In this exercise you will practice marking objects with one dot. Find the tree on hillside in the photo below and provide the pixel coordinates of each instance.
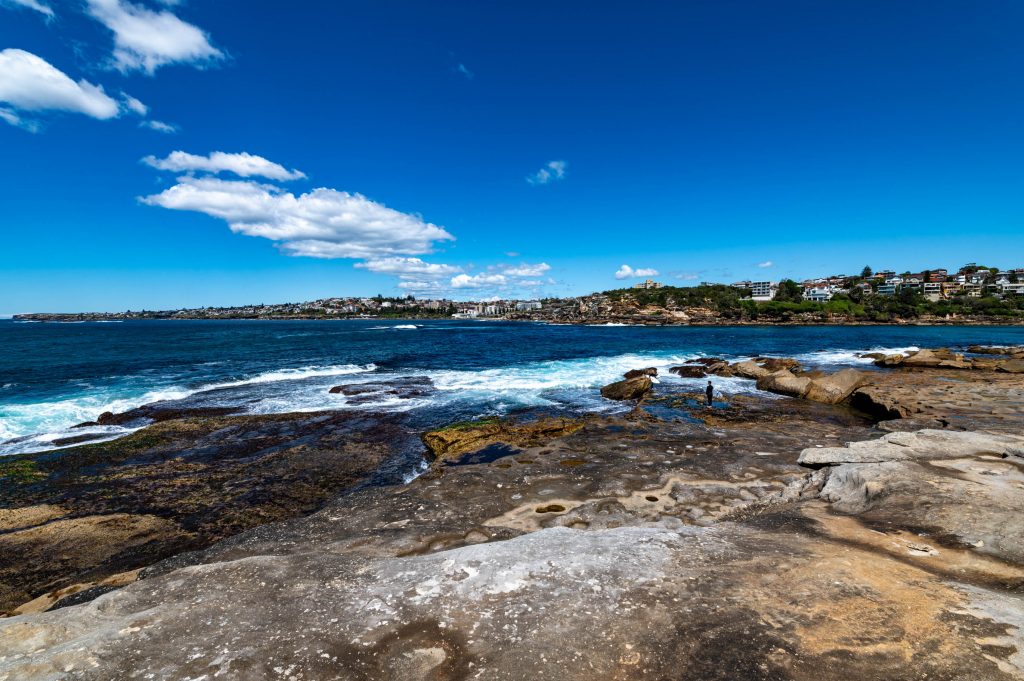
(789, 292)
(866, 272)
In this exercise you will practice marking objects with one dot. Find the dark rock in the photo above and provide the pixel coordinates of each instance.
(637, 373)
(688, 371)
(402, 388)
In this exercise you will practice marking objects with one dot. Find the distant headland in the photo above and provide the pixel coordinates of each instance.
(975, 294)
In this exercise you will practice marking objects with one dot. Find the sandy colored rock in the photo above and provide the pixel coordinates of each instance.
(834, 388)
(785, 382)
(919, 445)
(629, 389)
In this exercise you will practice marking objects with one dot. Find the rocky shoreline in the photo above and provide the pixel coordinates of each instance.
(860, 524)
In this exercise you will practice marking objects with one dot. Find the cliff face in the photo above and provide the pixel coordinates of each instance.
(694, 545)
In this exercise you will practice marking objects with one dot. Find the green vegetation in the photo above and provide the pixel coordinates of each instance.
(20, 471)
(715, 296)
(857, 305)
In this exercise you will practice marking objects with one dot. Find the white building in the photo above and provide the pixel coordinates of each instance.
(819, 294)
(763, 290)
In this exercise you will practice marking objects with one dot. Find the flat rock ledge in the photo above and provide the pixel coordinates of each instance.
(922, 444)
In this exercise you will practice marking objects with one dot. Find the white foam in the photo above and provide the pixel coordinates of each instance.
(847, 357)
(405, 326)
(52, 419)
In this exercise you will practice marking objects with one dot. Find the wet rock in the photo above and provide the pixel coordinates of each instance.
(637, 373)
(177, 485)
(834, 388)
(785, 382)
(460, 438)
(400, 388)
(629, 389)
(688, 371)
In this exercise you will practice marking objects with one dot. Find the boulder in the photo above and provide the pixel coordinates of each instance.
(107, 418)
(879, 403)
(834, 388)
(936, 359)
(1011, 366)
(688, 371)
(872, 355)
(890, 360)
(989, 350)
(460, 438)
(629, 389)
(773, 364)
(401, 388)
(749, 369)
(637, 373)
(785, 382)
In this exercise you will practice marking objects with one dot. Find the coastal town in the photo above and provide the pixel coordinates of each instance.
(967, 291)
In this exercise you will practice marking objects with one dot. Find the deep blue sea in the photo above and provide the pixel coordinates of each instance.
(54, 375)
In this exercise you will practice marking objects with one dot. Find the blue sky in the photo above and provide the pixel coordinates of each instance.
(473, 149)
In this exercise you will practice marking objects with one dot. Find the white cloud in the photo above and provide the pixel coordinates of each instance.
(243, 164)
(31, 84)
(481, 280)
(146, 40)
(525, 270)
(159, 126)
(625, 272)
(134, 105)
(552, 170)
(323, 223)
(408, 267)
(461, 68)
(512, 254)
(31, 4)
(766, 263)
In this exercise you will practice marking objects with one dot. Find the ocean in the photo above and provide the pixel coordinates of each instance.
(56, 375)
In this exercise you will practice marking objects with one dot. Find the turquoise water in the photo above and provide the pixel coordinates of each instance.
(54, 375)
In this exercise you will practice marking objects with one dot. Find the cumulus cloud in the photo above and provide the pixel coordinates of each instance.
(31, 84)
(766, 263)
(552, 170)
(482, 280)
(525, 270)
(243, 165)
(146, 40)
(159, 126)
(626, 272)
(323, 223)
(408, 267)
(40, 7)
(464, 70)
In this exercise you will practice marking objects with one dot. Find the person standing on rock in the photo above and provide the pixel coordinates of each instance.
(710, 392)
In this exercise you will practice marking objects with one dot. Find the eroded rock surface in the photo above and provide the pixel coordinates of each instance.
(689, 544)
